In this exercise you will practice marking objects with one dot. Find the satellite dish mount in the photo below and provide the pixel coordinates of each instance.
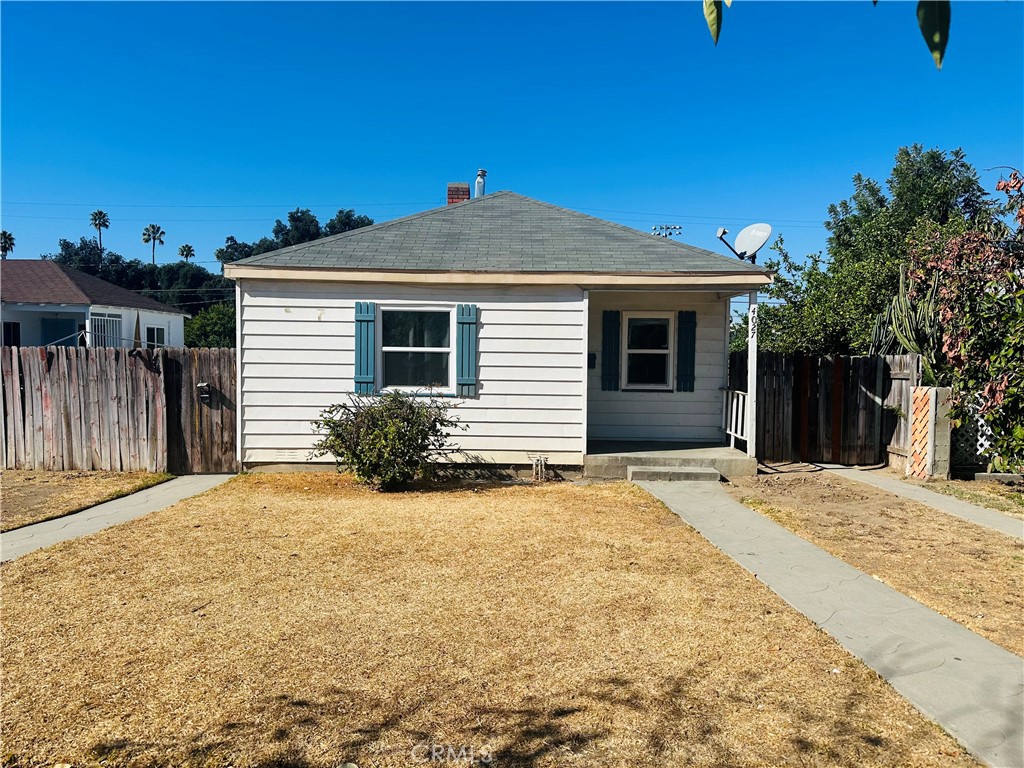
(748, 242)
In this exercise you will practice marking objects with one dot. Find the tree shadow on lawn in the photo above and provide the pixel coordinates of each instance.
(675, 722)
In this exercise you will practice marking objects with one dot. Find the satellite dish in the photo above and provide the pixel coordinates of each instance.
(750, 240)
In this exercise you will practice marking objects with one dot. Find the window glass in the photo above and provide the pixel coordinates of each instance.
(648, 333)
(647, 369)
(416, 369)
(415, 329)
(154, 337)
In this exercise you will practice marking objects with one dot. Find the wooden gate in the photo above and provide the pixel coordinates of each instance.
(118, 409)
(839, 409)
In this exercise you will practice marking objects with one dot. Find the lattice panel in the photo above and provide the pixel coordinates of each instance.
(972, 443)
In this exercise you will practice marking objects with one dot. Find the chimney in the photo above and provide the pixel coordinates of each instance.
(480, 181)
(458, 192)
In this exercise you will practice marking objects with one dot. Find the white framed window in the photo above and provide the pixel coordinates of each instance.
(648, 341)
(106, 329)
(416, 348)
(156, 336)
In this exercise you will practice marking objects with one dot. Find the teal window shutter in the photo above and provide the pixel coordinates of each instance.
(611, 325)
(466, 350)
(686, 351)
(366, 347)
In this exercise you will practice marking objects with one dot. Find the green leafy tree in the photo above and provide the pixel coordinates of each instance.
(264, 245)
(233, 250)
(829, 303)
(302, 227)
(933, 19)
(187, 252)
(6, 243)
(212, 327)
(155, 235)
(345, 221)
(99, 221)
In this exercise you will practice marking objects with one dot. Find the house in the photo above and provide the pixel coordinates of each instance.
(44, 303)
(553, 329)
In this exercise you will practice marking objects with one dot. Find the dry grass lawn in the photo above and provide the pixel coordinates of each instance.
(967, 572)
(28, 497)
(299, 620)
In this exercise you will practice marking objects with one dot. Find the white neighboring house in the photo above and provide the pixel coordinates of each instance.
(43, 303)
(549, 327)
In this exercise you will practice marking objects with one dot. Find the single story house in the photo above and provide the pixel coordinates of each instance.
(551, 328)
(43, 303)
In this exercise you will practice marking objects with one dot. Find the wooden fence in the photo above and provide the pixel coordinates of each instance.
(844, 410)
(67, 408)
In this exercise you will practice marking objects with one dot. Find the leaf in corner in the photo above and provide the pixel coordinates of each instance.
(713, 15)
(933, 19)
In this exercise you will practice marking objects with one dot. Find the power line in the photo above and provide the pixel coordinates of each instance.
(233, 205)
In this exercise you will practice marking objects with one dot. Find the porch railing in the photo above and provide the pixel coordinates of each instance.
(734, 415)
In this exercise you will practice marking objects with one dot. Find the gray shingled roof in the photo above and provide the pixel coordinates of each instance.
(501, 232)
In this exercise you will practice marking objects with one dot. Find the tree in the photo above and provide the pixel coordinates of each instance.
(212, 327)
(933, 17)
(6, 244)
(233, 250)
(345, 221)
(302, 227)
(99, 221)
(187, 252)
(829, 304)
(153, 234)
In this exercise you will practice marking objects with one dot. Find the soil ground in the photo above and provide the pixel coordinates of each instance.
(300, 620)
(965, 571)
(1001, 497)
(28, 497)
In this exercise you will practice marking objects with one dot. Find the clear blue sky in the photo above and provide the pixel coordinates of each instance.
(215, 119)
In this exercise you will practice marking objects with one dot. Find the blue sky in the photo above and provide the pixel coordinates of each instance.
(215, 119)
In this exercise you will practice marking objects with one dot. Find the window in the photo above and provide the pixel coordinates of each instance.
(416, 348)
(106, 329)
(155, 337)
(647, 350)
(12, 334)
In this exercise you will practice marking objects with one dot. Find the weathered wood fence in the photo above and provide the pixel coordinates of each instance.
(840, 409)
(118, 409)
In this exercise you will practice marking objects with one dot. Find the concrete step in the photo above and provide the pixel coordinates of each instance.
(611, 466)
(691, 474)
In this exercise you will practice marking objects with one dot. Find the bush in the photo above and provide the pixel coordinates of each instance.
(388, 440)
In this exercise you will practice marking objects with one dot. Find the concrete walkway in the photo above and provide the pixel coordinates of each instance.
(970, 686)
(21, 541)
(990, 518)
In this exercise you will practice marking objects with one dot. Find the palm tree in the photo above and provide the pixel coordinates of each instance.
(6, 243)
(187, 252)
(99, 221)
(153, 234)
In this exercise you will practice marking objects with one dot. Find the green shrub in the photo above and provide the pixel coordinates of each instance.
(387, 440)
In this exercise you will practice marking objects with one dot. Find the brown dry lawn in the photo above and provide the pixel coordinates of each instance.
(299, 620)
(28, 497)
(967, 572)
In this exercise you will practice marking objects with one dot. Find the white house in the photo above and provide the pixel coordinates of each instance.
(552, 329)
(43, 303)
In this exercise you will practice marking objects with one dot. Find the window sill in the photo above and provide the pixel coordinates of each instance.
(636, 388)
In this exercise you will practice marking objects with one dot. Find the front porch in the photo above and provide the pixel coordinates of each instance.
(613, 459)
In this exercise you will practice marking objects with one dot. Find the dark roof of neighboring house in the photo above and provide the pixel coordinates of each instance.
(502, 232)
(47, 282)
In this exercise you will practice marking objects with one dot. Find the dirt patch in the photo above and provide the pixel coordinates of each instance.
(32, 497)
(967, 572)
(298, 620)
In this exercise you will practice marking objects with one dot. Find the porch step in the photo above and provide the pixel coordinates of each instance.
(691, 474)
(724, 461)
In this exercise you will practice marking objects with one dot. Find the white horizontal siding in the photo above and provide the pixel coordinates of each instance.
(683, 416)
(298, 357)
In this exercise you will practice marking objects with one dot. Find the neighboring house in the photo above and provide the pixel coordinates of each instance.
(550, 327)
(43, 303)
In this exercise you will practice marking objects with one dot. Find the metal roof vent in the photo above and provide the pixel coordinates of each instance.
(481, 176)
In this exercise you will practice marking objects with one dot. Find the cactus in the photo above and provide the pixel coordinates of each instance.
(912, 325)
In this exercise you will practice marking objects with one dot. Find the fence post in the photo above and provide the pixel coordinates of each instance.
(752, 376)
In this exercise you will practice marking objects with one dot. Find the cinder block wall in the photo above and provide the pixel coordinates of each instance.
(930, 433)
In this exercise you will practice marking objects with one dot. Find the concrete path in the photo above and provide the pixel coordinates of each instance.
(970, 686)
(990, 518)
(24, 540)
